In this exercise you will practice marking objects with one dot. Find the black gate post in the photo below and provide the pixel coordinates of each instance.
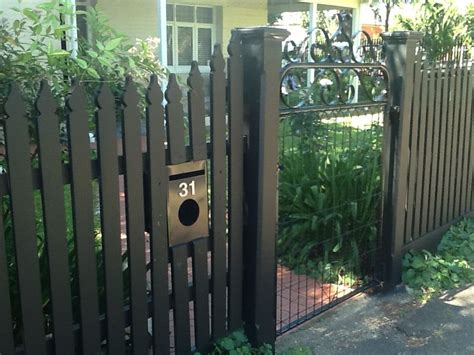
(261, 54)
(400, 50)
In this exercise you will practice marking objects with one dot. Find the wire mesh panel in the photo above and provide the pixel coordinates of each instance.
(329, 209)
(331, 138)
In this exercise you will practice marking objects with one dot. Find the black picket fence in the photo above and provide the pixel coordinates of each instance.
(166, 242)
(74, 284)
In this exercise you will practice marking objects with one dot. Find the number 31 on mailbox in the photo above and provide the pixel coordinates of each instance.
(188, 216)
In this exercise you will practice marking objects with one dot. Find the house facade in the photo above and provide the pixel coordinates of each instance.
(191, 27)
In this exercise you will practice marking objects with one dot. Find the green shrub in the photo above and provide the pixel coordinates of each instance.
(328, 206)
(237, 343)
(458, 242)
(44, 263)
(451, 267)
(442, 26)
(30, 53)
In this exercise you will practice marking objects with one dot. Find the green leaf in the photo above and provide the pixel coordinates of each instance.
(337, 247)
(417, 263)
(59, 53)
(82, 63)
(227, 344)
(113, 43)
(31, 14)
(104, 61)
(92, 53)
(92, 72)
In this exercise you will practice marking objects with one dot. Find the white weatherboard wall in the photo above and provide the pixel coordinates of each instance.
(11, 15)
(140, 18)
(135, 18)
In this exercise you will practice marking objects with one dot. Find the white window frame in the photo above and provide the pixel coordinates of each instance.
(195, 26)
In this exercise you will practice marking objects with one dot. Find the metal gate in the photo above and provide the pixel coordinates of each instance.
(333, 110)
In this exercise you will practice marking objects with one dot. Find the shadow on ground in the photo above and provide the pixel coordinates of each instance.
(390, 324)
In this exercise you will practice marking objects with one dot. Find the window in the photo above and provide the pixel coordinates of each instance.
(81, 21)
(190, 34)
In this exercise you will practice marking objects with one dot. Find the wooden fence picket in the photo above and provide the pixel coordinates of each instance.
(82, 209)
(135, 217)
(23, 221)
(199, 246)
(218, 195)
(105, 120)
(235, 182)
(55, 220)
(158, 188)
(7, 344)
(179, 253)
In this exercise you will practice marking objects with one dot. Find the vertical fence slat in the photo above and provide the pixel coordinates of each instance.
(110, 219)
(413, 164)
(199, 259)
(135, 219)
(467, 138)
(179, 264)
(7, 345)
(460, 111)
(196, 113)
(199, 149)
(218, 195)
(420, 187)
(82, 204)
(435, 174)
(179, 269)
(469, 113)
(447, 200)
(454, 211)
(55, 220)
(236, 178)
(159, 227)
(175, 122)
(201, 294)
(441, 202)
(427, 181)
(23, 220)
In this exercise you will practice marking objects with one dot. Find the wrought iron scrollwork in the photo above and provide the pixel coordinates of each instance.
(335, 70)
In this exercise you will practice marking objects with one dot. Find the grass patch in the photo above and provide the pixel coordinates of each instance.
(452, 266)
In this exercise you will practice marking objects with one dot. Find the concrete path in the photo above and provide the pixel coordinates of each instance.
(390, 324)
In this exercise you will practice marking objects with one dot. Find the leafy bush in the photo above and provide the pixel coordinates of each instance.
(237, 343)
(328, 202)
(441, 24)
(451, 267)
(30, 52)
(44, 263)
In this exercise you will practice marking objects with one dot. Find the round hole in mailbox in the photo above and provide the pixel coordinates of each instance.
(188, 212)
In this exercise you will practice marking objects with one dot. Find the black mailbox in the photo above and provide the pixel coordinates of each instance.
(188, 216)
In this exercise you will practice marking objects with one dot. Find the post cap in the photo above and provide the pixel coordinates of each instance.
(402, 36)
(265, 32)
